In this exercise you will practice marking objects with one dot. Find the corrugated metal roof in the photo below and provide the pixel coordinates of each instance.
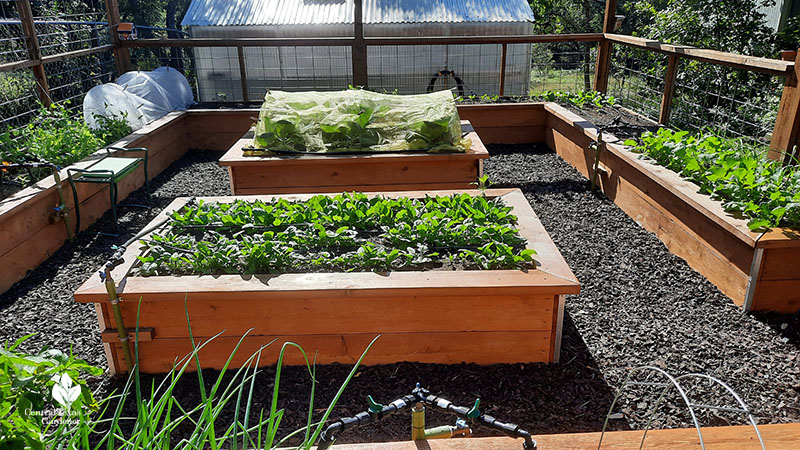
(309, 12)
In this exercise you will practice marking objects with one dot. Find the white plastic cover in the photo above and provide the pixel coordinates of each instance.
(109, 100)
(142, 96)
(149, 95)
(179, 93)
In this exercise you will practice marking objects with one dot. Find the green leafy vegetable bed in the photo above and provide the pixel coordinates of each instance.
(579, 99)
(761, 190)
(347, 232)
(55, 135)
(357, 121)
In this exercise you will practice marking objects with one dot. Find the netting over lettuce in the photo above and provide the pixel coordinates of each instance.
(357, 121)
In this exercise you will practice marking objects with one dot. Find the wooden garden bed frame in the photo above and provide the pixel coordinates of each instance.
(756, 270)
(776, 437)
(283, 174)
(484, 317)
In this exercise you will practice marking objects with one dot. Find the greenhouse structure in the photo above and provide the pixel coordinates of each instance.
(403, 69)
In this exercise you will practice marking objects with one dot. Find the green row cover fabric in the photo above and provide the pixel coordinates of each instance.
(356, 121)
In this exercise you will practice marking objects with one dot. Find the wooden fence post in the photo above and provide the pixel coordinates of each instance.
(34, 54)
(359, 51)
(503, 54)
(669, 89)
(603, 64)
(122, 57)
(787, 124)
(243, 74)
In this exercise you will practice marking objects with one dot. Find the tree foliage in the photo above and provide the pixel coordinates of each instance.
(736, 26)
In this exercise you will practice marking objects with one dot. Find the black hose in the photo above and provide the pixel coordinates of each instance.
(329, 435)
(459, 82)
(421, 395)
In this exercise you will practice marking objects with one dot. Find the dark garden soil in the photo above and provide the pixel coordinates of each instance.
(630, 125)
(8, 189)
(639, 305)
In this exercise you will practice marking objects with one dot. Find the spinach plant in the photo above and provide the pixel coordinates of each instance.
(761, 190)
(346, 232)
(580, 99)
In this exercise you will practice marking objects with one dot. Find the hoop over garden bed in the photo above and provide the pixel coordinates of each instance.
(488, 316)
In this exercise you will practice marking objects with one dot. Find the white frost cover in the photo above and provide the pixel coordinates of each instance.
(109, 100)
(143, 96)
(179, 93)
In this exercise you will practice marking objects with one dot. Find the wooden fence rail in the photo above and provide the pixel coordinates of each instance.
(784, 138)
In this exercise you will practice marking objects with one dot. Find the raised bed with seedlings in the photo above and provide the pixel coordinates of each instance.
(465, 276)
(751, 266)
(355, 140)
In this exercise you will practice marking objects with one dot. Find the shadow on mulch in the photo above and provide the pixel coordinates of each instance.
(572, 396)
(787, 326)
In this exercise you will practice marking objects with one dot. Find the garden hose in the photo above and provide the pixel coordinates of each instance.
(61, 209)
(599, 145)
(113, 298)
(459, 82)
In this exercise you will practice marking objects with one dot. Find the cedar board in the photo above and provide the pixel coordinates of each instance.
(776, 437)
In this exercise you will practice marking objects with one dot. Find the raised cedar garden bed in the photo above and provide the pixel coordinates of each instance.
(485, 317)
(283, 174)
(756, 270)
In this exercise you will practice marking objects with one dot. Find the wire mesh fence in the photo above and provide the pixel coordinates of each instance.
(636, 80)
(468, 69)
(215, 73)
(707, 98)
(726, 101)
(179, 58)
(18, 99)
(565, 67)
(71, 79)
(60, 29)
(13, 46)
(70, 32)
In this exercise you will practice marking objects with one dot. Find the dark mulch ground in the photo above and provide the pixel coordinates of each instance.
(640, 305)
